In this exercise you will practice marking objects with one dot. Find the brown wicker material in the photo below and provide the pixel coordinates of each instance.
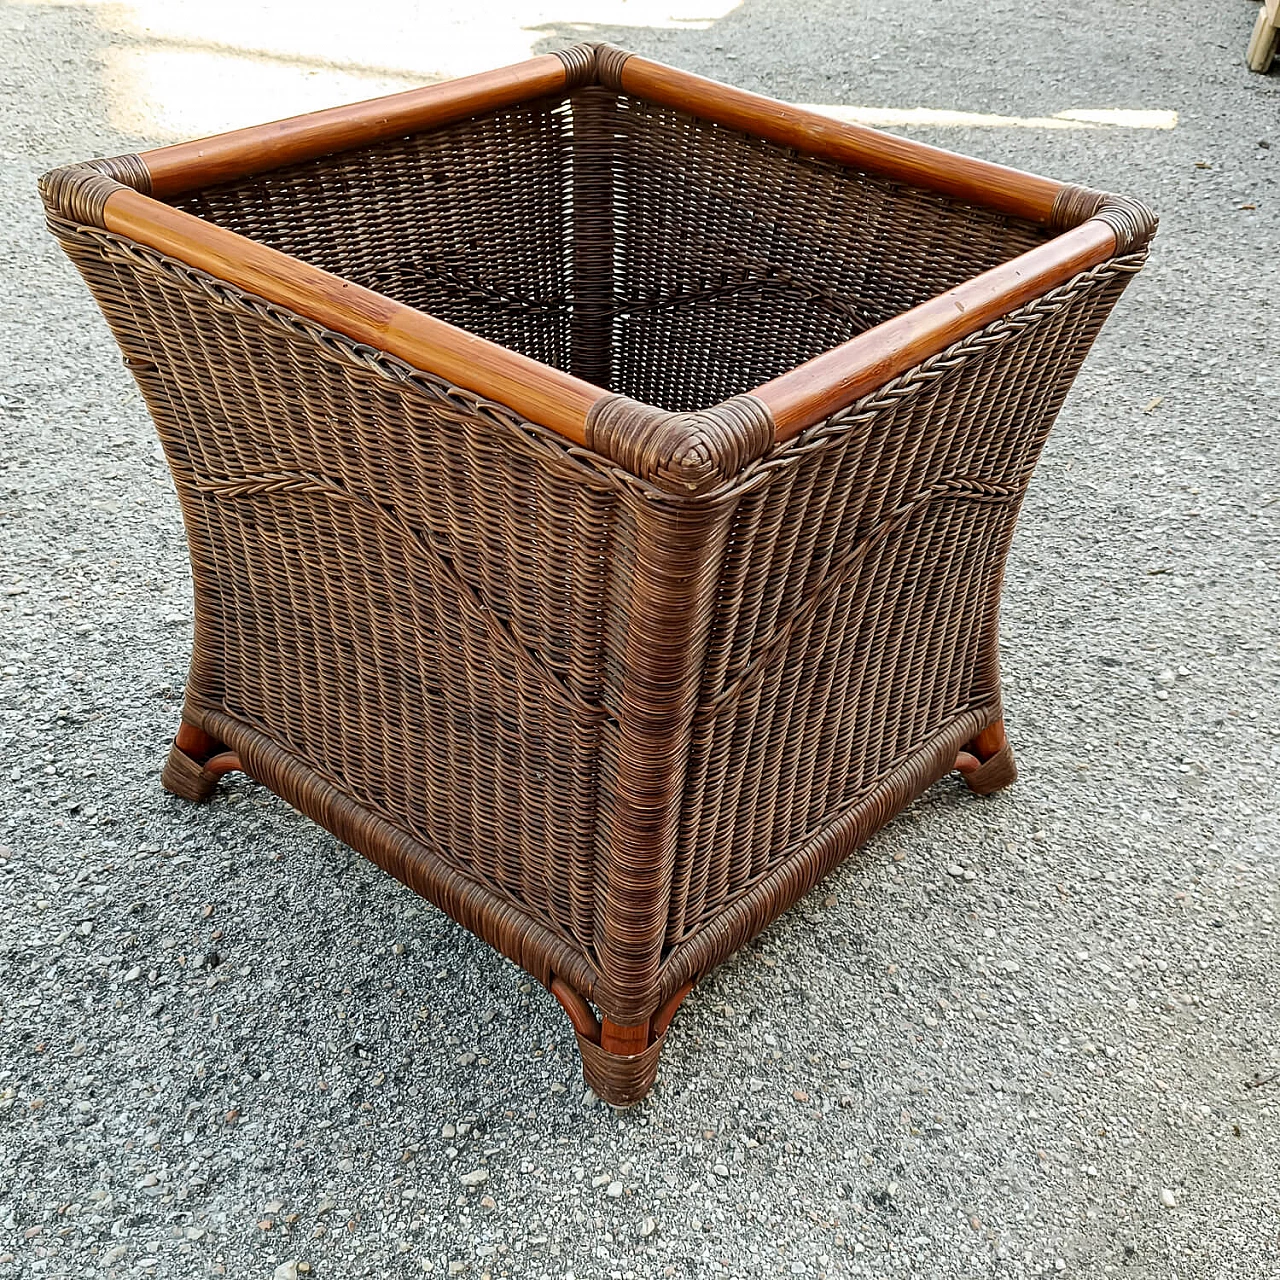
(613, 694)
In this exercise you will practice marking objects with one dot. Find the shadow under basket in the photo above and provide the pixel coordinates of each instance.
(598, 483)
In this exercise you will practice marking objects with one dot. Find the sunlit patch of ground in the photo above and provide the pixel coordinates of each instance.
(186, 68)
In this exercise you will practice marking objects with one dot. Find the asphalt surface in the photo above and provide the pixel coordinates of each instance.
(229, 1046)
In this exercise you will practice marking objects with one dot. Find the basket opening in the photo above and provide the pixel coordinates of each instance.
(649, 251)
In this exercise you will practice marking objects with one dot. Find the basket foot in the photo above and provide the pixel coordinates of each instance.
(987, 763)
(196, 763)
(620, 1063)
(621, 1079)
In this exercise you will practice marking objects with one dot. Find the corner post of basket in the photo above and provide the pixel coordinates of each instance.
(683, 518)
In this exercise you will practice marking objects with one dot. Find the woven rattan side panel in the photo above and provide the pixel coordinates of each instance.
(415, 594)
(856, 616)
(736, 260)
(471, 222)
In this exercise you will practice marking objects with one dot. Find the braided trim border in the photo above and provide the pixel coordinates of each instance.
(461, 404)
(831, 430)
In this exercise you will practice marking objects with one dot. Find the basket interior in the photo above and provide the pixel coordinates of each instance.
(652, 252)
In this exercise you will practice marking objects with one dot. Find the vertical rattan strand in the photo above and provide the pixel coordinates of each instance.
(594, 110)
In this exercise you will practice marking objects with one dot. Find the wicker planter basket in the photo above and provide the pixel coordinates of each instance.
(598, 482)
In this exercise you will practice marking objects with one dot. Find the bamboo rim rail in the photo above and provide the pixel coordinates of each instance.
(558, 400)
(241, 153)
(1024, 195)
(816, 389)
(543, 394)
(536, 391)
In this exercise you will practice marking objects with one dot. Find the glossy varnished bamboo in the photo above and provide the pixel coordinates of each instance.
(244, 152)
(542, 394)
(828, 382)
(1023, 195)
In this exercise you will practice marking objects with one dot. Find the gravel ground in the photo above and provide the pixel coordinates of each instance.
(229, 1046)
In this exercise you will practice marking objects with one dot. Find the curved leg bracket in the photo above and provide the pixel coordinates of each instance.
(987, 763)
(620, 1063)
(196, 762)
